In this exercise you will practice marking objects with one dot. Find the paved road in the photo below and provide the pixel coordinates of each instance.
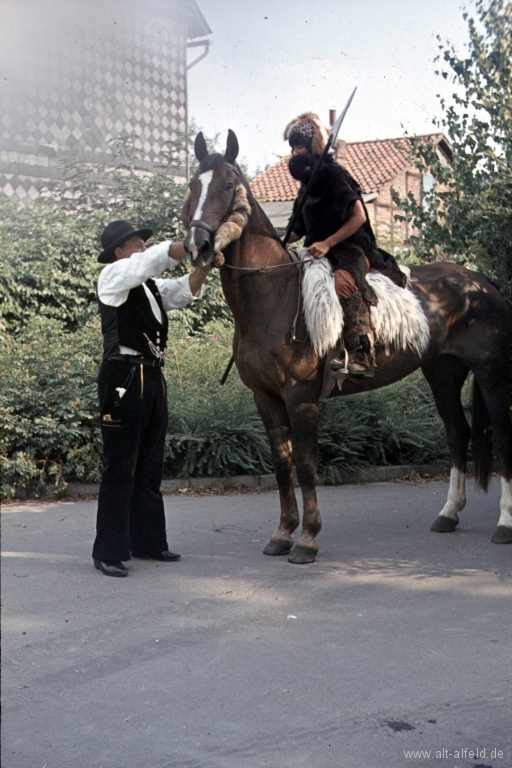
(395, 639)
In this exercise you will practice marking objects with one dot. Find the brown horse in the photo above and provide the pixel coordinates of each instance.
(470, 330)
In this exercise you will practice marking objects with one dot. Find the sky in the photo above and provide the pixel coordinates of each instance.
(270, 61)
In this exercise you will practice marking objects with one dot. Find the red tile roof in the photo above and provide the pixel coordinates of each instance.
(276, 184)
(375, 164)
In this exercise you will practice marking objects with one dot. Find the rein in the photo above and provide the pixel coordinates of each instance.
(273, 236)
(268, 266)
(293, 263)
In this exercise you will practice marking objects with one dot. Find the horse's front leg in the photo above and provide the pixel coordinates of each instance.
(275, 418)
(304, 420)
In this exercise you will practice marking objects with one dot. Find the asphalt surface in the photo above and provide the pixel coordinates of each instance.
(395, 639)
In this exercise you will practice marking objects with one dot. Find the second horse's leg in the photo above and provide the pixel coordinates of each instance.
(491, 417)
(497, 399)
(446, 375)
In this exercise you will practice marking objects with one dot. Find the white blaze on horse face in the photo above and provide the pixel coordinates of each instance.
(506, 503)
(205, 179)
(456, 500)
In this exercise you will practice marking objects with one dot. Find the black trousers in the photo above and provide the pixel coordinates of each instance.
(131, 517)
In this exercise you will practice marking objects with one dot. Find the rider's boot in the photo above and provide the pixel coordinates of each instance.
(358, 337)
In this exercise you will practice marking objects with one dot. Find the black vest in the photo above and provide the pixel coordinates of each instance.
(134, 325)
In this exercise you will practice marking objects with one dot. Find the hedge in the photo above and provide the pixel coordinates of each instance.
(49, 422)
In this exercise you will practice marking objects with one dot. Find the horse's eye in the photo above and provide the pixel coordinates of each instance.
(229, 185)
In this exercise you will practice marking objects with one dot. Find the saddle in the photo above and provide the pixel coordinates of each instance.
(398, 319)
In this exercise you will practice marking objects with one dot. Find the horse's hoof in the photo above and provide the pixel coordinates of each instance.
(502, 535)
(444, 524)
(278, 547)
(302, 555)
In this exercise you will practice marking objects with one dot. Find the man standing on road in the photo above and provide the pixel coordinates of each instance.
(132, 391)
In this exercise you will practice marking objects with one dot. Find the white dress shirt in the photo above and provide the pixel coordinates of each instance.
(117, 279)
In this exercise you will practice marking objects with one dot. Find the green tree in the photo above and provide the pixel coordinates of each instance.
(467, 216)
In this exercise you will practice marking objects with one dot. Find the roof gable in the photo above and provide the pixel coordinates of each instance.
(197, 26)
(375, 164)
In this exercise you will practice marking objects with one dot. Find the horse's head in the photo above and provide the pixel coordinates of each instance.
(216, 208)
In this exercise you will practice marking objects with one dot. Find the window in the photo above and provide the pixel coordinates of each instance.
(428, 184)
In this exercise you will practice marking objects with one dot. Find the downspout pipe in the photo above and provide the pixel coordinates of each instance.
(203, 55)
(196, 44)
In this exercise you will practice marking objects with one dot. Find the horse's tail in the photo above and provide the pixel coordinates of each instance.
(481, 433)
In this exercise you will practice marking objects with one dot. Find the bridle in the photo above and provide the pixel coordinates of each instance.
(198, 223)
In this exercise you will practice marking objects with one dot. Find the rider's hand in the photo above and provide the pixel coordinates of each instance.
(319, 250)
(218, 260)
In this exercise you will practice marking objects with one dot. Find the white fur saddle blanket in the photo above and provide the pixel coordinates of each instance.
(398, 319)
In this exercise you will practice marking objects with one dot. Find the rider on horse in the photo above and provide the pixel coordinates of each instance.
(336, 225)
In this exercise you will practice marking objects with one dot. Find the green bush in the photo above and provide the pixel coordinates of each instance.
(49, 429)
(48, 265)
(49, 421)
(395, 425)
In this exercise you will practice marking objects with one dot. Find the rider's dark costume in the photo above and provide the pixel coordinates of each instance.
(328, 206)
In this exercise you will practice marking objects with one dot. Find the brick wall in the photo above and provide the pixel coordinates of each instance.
(382, 210)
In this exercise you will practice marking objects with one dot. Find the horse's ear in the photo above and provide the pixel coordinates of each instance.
(200, 147)
(231, 147)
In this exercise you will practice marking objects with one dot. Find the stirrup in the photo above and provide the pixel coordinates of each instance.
(339, 367)
(342, 369)
(363, 373)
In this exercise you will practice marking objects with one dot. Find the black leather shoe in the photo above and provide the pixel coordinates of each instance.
(165, 557)
(111, 569)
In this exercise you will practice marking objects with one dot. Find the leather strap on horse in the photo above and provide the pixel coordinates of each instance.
(233, 168)
(296, 261)
(202, 225)
(296, 318)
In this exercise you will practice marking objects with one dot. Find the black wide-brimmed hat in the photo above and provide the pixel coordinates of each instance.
(117, 233)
